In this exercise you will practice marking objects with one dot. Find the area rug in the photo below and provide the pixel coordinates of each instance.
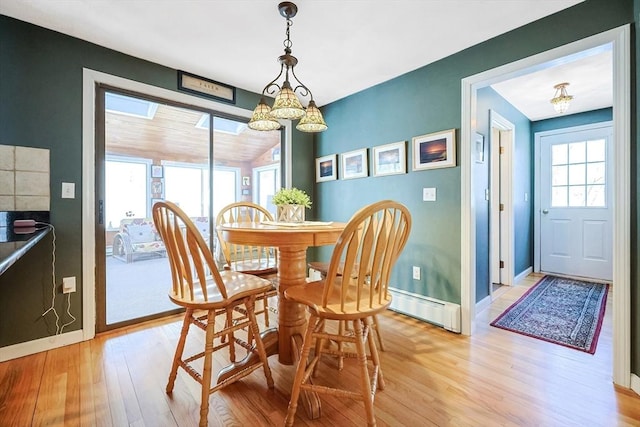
(559, 310)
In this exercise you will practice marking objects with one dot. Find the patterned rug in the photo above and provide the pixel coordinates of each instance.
(559, 310)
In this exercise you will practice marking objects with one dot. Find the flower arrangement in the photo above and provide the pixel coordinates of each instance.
(291, 196)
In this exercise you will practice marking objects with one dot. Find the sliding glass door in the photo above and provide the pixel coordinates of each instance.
(149, 150)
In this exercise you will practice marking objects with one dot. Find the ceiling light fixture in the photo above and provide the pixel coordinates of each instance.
(287, 105)
(561, 99)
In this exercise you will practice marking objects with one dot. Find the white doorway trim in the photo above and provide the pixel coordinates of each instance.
(620, 40)
(89, 80)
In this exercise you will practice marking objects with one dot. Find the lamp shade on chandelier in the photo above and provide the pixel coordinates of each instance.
(561, 98)
(287, 105)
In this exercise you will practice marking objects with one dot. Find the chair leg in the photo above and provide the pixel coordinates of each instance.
(206, 374)
(265, 306)
(365, 383)
(253, 326)
(230, 337)
(179, 349)
(378, 334)
(375, 358)
(300, 371)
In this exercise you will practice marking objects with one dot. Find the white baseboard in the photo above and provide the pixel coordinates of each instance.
(520, 277)
(635, 383)
(42, 344)
(429, 309)
(483, 304)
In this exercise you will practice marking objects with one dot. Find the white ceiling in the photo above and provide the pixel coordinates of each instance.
(343, 46)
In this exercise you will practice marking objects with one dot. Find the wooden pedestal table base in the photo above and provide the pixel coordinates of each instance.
(292, 244)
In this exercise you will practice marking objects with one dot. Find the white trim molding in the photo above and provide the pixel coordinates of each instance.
(619, 38)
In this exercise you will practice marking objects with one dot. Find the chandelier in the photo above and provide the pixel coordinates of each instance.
(286, 104)
(561, 99)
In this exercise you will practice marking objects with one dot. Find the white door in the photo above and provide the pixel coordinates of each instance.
(575, 202)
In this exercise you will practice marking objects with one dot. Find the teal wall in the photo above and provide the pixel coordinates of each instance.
(429, 100)
(487, 100)
(41, 106)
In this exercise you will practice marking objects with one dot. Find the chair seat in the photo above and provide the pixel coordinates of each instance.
(238, 286)
(310, 294)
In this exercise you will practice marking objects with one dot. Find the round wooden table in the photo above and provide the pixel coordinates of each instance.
(292, 243)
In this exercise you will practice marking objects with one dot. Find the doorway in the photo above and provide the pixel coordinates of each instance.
(619, 39)
(150, 149)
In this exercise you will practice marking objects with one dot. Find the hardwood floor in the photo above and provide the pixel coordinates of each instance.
(433, 378)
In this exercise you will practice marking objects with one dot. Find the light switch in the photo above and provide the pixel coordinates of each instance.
(68, 190)
(429, 194)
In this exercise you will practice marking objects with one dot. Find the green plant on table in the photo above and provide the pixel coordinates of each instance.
(291, 196)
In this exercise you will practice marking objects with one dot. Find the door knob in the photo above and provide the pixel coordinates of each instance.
(545, 211)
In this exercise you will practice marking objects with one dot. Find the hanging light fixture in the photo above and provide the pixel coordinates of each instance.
(561, 99)
(286, 104)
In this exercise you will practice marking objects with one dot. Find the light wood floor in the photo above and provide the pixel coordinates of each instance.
(433, 378)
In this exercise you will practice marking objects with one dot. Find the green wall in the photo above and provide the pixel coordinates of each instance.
(429, 100)
(41, 106)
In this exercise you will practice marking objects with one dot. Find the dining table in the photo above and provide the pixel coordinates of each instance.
(292, 241)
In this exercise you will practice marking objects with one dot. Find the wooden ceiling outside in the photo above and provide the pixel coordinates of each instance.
(172, 135)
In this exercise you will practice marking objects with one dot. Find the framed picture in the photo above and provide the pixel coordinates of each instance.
(156, 171)
(326, 168)
(354, 164)
(197, 85)
(479, 144)
(434, 150)
(390, 159)
(156, 188)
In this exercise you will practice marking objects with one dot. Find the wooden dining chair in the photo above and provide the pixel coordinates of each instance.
(257, 260)
(322, 267)
(369, 246)
(200, 287)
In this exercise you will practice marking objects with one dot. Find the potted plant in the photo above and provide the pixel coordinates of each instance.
(291, 204)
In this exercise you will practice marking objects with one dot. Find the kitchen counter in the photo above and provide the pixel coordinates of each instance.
(14, 243)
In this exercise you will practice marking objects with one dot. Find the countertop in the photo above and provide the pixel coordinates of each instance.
(15, 243)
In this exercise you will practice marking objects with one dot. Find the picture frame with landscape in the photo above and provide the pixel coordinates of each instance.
(354, 164)
(390, 159)
(326, 168)
(434, 150)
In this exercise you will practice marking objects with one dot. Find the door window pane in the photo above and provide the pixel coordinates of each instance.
(577, 152)
(595, 173)
(596, 150)
(559, 197)
(576, 174)
(559, 175)
(577, 195)
(559, 154)
(596, 196)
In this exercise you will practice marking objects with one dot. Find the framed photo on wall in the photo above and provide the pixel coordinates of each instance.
(354, 164)
(326, 168)
(390, 159)
(434, 150)
(156, 171)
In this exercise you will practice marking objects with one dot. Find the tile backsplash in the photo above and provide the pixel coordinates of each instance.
(24, 178)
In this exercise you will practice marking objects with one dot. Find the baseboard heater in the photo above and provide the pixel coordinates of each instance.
(425, 308)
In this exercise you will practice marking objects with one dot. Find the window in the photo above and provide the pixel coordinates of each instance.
(578, 174)
(126, 190)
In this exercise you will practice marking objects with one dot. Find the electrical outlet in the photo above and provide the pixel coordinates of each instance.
(68, 285)
(416, 273)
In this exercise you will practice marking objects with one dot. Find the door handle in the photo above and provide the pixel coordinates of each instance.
(545, 211)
